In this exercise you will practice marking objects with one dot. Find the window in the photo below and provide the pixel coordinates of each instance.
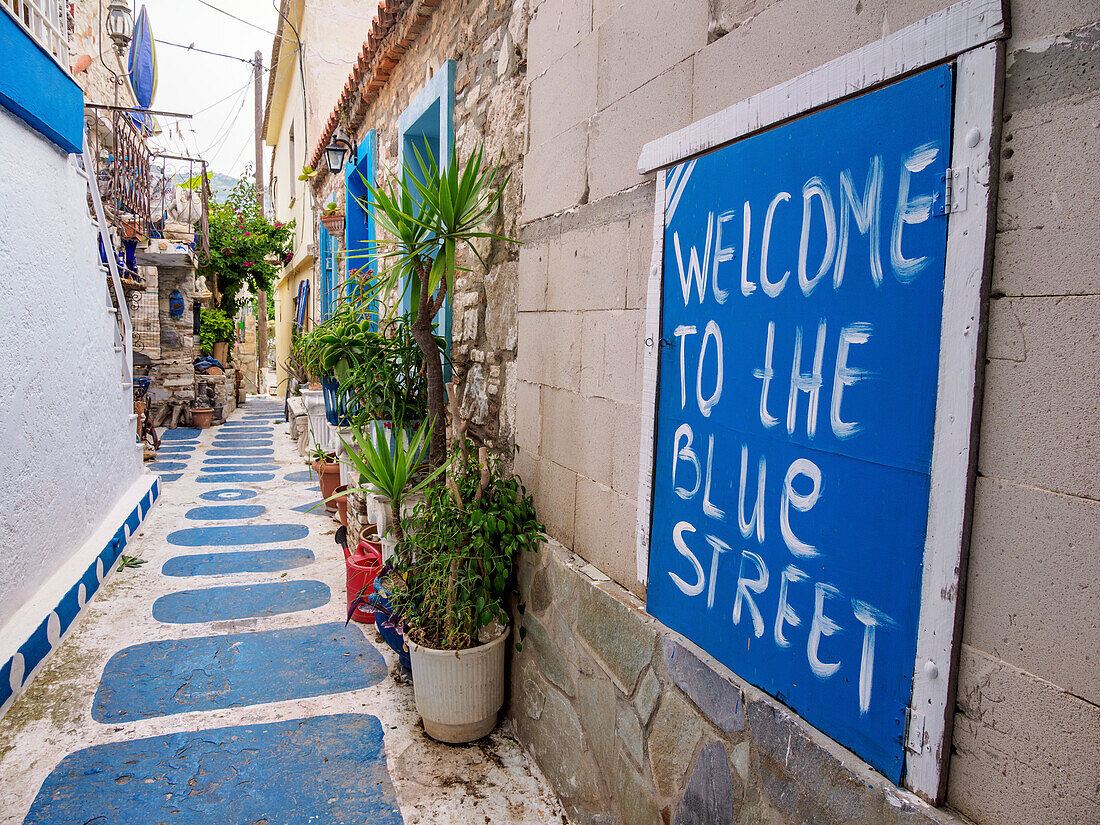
(327, 248)
(427, 125)
(359, 222)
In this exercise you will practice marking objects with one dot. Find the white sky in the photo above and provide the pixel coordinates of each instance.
(189, 81)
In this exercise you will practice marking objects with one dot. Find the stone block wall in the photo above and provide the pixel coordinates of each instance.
(606, 77)
(487, 39)
(633, 724)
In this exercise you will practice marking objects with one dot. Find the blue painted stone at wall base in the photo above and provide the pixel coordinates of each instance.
(236, 534)
(228, 495)
(238, 561)
(246, 601)
(209, 672)
(719, 699)
(242, 774)
(225, 511)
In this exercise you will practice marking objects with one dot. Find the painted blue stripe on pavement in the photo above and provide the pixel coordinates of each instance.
(236, 478)
(303, 475)
(215, 512)
(240, 460)
(230, 670)
(242, 601)
(171, 476)
(225, 563)
(166, 465)
(228, 495)
(324, 769)
(180, 434)
(240, 468)
(231, 535)
(239, 451)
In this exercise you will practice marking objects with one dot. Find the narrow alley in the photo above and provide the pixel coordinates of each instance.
(217, 682)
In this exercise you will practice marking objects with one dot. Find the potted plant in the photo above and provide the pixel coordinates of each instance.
(463, 540)
(327, 468)
(332, 218)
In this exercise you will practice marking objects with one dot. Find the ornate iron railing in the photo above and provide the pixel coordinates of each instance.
(122, 172)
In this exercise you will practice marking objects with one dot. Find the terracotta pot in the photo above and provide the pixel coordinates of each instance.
(202, 418)
(329, 474)
(333, 222)
(342, 505)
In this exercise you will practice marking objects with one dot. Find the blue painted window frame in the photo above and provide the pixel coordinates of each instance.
(430, 119)
(325, 253)
(359, 225)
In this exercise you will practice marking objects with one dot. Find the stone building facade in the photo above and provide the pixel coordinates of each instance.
(631, 722)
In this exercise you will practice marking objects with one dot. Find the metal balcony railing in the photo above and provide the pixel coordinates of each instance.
(46, 21)
(122, 172)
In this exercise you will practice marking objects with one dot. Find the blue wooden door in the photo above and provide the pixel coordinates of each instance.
(802, 300)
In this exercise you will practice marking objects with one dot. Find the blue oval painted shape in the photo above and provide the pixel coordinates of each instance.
(242, 601)
(215, 512)
(233, 669)
(235, 478)
(246, 773)
(225, 563)
(231, 535)
(166, 465)
(239, 460)
(244, 432)
(180, 434)
(171, 476)
(242, 442)
(228, 495)
(314, 507)
(241, 468)
(241, 451)
(304, 475)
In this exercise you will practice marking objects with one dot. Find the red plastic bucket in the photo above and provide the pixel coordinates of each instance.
(363, 567)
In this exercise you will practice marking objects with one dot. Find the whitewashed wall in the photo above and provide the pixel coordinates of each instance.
(67, 451)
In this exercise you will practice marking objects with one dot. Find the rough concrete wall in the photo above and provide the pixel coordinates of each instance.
(487, 40)
(605, 77)
(69, 447)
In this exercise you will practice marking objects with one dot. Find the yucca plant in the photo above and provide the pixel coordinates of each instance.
(429, 217)
(389, 472)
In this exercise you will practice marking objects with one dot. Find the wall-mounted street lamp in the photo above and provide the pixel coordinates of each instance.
(336, 152)
(120, 25)
(120, 28)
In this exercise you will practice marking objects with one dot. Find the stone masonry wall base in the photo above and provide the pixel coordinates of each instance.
(635, 725)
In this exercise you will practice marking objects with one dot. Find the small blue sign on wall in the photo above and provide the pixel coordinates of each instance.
(802, 297)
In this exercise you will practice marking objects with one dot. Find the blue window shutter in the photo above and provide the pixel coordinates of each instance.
(359, 229)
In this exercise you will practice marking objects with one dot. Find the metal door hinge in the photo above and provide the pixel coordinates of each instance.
(914, 737)
(953, 197)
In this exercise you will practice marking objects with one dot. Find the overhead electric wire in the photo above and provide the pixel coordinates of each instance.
(238, 19)
(194, 48)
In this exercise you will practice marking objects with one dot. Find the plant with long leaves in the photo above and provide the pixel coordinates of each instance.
(431, 215)
(390, 471)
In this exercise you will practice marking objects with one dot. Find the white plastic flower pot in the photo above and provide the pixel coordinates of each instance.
(320, 431)
(459, 692)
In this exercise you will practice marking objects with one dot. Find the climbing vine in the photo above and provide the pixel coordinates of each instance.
(246, 249)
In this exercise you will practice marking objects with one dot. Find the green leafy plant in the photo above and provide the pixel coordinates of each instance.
(246, 249)
(308, 173)
(127, 562)
(428, 217)
(215, 328)
(330, 208)
(467, 535)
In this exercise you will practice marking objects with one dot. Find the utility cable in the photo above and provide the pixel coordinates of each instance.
(194, 48)
(238, 19)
